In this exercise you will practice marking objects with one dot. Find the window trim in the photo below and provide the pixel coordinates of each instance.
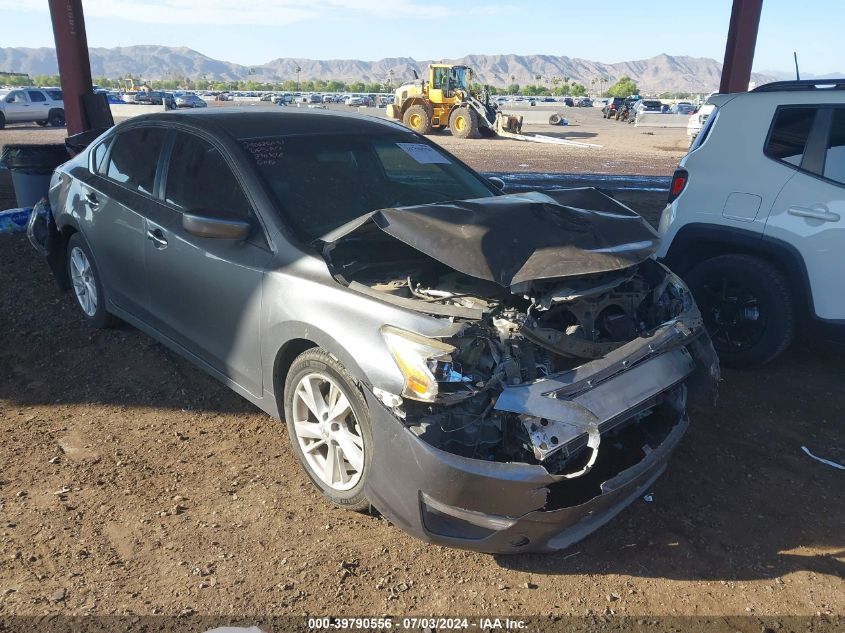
(826, 137)
(164, 167)
(775, 115)
(93, 151)
(116, 137)
(816, 147)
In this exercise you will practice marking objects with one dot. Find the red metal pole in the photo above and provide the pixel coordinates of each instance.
(739, 50)
(74, 65)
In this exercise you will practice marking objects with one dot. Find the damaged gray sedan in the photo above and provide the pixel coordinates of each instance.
(495, 372)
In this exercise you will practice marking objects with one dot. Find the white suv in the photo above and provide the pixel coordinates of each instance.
(40, 105)
(756, 218)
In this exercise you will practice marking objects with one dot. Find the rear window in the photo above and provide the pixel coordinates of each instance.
(36, 96)
(788, 137)
(55, 95)
(134, 158)
(834, 160)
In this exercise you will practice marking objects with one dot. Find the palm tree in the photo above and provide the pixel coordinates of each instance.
(297, 70)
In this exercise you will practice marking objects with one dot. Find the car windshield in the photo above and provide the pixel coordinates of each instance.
(321, 182)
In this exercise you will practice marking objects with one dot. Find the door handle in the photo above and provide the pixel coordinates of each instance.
(91, 198)
(157, 238)
(820, 212)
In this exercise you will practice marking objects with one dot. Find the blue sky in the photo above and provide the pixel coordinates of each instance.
(256, 31)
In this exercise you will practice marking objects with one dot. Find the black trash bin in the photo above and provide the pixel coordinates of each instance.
(31, 167)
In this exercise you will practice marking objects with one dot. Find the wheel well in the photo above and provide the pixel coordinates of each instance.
(415, 101)
(284, 359)
(57, 259)
(694, 244)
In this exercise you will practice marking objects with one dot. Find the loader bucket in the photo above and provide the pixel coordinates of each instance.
(508, 123)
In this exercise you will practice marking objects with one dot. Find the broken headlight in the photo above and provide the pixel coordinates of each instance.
(420, 359)
(676, 295)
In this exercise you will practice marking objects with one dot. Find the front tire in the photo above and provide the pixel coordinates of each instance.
(86, 284)
(329, 427)
(747, 308)
(416, 117)
(56, 118)
(464, 123)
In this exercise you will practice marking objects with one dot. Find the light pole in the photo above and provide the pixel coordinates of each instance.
(297, 70)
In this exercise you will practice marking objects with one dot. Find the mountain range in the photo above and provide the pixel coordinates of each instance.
(662, 73)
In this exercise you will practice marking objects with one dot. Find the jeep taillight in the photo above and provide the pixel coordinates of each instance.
(679, 182)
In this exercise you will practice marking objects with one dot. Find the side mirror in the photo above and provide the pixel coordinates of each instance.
(497, 182)
(215, 228)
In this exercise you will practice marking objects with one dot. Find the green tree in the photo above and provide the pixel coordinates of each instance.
(513, 89)
(623, 88)
(578, 90)
(356, 86)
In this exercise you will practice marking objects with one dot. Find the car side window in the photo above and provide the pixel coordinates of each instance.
(36, 96)
(98, 159)
(199, 179)
(789, 133)
(16, 97)
(134, 158)
(834, 160)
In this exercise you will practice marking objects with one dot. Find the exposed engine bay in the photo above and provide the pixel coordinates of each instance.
(531, 332)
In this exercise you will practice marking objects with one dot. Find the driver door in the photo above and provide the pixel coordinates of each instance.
(206, 293)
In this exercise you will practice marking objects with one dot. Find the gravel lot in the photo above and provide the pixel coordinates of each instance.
(133, 483)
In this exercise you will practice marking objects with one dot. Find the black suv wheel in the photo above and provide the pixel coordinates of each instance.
(747, 308)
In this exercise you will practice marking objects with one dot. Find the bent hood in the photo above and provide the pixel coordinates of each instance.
(515, 238)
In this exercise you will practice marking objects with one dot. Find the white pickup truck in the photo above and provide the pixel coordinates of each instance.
(43, 106)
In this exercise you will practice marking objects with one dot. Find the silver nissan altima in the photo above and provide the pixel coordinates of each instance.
(499, 372)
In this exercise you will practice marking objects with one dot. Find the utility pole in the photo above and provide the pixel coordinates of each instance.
(739, 49)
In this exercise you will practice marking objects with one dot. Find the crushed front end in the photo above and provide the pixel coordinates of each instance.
(555, 403)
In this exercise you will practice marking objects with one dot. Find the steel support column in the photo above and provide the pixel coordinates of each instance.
(739, 50)
(74, 65)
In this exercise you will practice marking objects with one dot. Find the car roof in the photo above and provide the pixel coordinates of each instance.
(248, 122)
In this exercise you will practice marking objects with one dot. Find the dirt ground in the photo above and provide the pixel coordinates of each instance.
(132, 483)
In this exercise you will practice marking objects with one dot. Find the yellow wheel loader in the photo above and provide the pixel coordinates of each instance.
(446, 100)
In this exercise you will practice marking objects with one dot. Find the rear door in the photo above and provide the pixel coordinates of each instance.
(113, 207)
(809, 211)
(206, 293)
(39, 105)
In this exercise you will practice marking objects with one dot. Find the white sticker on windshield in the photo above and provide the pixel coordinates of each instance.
(424, 154)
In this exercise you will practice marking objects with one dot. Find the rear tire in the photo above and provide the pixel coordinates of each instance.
(463, 123)
(315, 378)
(747, 307)
(56, 118)
(416, 117)
(85, 283)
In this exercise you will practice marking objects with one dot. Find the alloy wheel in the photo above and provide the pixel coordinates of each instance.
(328, 432)
(732, 314)
(82, 278)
